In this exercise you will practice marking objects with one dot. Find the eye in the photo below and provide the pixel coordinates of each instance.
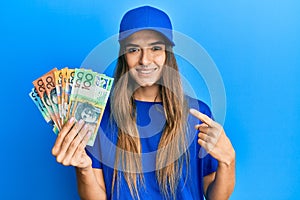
(156, 48)
(132, 50)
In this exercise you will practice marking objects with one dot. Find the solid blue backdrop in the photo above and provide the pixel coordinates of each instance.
(255, 45)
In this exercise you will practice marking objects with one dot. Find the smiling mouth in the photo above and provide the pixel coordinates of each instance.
(145, 71)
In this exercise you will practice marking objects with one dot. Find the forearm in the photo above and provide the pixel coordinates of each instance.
(223, 185)
(88, 186)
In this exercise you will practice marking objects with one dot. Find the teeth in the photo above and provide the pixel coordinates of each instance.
(147, 71)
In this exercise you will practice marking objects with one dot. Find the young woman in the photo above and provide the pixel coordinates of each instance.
(151, 132)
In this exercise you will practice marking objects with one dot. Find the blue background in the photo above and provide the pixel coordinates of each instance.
(255, 45)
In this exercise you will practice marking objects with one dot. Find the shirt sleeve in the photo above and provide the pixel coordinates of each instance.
(209, 165)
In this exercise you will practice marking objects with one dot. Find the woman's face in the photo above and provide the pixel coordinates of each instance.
(88, 115)
(145, 55)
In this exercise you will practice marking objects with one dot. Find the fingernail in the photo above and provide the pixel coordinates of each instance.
(192, 110)
(81, 122)
(86, 126)
(89, 134)
(72, 119)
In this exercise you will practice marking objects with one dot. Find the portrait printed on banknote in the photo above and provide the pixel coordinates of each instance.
(87, 112)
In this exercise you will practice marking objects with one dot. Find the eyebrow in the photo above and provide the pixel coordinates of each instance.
(158, 42)
(150, 44)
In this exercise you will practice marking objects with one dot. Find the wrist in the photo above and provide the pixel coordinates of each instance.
(229, 160)
(84, 170)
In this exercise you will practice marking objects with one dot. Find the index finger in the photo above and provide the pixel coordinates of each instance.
(62, 135)
(204, 118)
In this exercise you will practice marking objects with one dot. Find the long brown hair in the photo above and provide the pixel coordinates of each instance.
(172, 149)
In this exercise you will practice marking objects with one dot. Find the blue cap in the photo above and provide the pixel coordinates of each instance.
(145, 18)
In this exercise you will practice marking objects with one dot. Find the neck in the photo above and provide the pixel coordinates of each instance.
(149, 93)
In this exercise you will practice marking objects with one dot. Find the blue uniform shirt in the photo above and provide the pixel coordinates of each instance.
(150, 122)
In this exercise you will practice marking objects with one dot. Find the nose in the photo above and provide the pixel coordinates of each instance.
(146, 57)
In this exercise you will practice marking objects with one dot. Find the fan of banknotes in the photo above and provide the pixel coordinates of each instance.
(80, 93)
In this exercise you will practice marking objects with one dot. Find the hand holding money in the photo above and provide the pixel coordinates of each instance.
(69, 148)
(78, 94)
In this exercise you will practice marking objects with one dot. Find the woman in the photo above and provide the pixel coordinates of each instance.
(147, 91)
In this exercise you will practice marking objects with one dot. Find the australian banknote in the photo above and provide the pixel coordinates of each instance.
(79, 93)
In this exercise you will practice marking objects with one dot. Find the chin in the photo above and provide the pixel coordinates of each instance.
(146, 83)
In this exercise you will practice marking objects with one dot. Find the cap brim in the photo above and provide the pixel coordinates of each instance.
(167, 33)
